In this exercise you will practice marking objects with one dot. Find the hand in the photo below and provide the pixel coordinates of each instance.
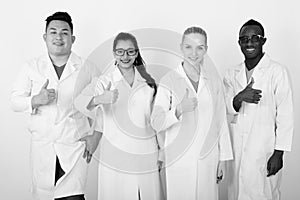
(45, 96)
(275, 163)
(108, 96)
(187, 104)
(220, 171)
(91, 144)
(248, 95)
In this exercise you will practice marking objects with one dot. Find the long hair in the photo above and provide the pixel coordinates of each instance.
(139, 62)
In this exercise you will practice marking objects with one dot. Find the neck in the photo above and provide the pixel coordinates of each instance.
(193, 71)
(59, 60)
(251, 63)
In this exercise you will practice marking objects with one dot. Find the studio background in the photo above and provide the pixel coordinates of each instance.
(22, 26)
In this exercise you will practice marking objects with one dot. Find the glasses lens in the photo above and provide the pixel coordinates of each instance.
(131, 52)
(255, 38)
(119, 52)
(243, 39)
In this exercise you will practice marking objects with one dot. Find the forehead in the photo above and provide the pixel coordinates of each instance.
(194, 39)
(58, 25)
(251, 30)
(124, 44)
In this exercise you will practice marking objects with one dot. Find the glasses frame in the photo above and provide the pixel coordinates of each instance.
(126, 51)
(250, 38)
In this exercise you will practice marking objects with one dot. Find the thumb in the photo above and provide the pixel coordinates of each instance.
(251, 83)
(83, 139)
(108, 86)
(45, 84)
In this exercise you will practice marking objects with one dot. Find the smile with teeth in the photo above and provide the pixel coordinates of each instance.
(250, 49)
(125, 61)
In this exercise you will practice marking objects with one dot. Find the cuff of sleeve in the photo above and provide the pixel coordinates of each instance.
(82, 103)
(282, 147)
(230, 108)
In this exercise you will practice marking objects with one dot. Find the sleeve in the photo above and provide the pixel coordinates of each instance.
(20, 97)
(284, 111)
(225, 147)
(229, 93)
(84, 98)
(163, 114)
(98, 123)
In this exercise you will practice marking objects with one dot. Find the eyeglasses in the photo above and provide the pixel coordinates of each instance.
(252, 38)
(130, 52)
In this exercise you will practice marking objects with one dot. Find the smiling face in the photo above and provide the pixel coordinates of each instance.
(193, 48)
(125, 54)
(251, 42)
(59, 38)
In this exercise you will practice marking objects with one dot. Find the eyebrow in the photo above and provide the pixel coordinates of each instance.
(55, 29)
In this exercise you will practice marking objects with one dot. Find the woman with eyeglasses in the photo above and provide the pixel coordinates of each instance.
(122, 100)
(190, 111)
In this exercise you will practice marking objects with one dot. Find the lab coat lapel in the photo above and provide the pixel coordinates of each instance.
(259, 70)
(72, 64)
(241, 76)
(46, 68)
(183, 82)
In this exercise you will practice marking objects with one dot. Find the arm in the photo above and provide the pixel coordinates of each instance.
(229, 93)
(21, 92)
(163, 114)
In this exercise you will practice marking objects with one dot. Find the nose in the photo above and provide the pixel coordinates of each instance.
(125, 54)
(59, 36)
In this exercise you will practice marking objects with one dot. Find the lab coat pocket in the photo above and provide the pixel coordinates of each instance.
(38, 127)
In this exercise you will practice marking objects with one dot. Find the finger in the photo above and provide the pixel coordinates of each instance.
(256, 91)
(108, 86)
(45, 84)
(51, 95)
(51, 90)
(84, 153)
(83, 139)
(89, 157)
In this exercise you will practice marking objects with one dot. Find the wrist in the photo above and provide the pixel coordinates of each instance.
(97, 134)
(278, 152)
(34, 104)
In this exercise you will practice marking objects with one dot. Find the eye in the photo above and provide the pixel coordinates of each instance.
(65, 33)
(187, 46)
(200, 48)
(119, 52)
(131, 52)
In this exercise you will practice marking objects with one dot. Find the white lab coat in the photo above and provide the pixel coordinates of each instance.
(54, 128)
(258, 129)
(128, 147)
(197, 141)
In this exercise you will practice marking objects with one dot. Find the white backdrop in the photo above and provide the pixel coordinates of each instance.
(22, 25)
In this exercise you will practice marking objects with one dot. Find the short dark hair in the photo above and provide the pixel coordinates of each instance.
(62, 16)
(253, 22)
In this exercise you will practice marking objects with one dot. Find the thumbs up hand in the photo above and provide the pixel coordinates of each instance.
(107, 97)
(249, 94)
(186, 105)
(44, 97)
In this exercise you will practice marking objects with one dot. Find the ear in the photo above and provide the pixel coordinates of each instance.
(263, 41)
(44, 37)
(73, 38)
